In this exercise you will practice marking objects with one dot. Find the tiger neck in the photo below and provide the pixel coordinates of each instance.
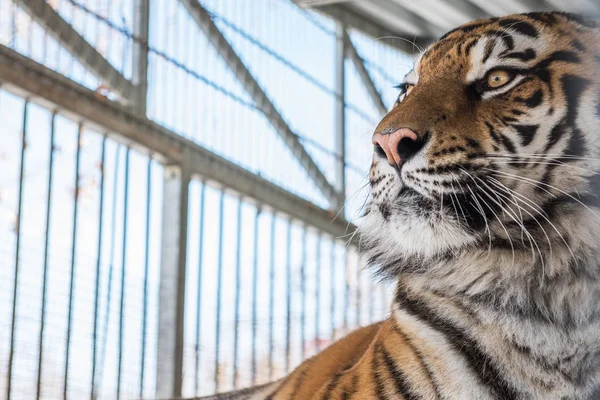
(486, 300)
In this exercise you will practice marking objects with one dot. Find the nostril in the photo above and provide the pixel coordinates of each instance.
(408, 147)
(379, 151)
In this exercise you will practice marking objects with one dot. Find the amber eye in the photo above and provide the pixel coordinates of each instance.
(498, 78)
(405, 89)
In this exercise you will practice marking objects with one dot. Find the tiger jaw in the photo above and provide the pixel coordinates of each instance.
(407, 220)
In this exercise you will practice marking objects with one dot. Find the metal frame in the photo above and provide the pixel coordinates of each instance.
(32, 80)
(354, 20)
(367, 81)
(264, 104)
(78, 47)
(172, 280)
(340, 112)
(139, 77)
(182, 158)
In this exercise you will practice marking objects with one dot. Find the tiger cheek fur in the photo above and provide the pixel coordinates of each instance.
(484, 211)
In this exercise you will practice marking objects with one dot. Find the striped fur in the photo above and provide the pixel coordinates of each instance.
(491, 231)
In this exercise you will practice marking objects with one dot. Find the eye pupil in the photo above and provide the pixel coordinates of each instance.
(498, 78)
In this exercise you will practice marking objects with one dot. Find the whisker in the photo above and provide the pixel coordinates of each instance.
(403, 39)
(534, 182)
(556, 163)
(541, 212)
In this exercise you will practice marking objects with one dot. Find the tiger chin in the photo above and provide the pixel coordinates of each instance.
(484, 210)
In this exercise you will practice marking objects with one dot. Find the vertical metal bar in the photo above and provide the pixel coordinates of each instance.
(123, 275)
(340, 113)
(219, 289)
(318, 293)
(111, 267)
(146, 271)
(238, 280)
(199, 295)
(332, 274)
(172, 280)
(288, 290)
(272, 300)
(73, 255)
(139, 77)
(303, 294)
(17, 253)
(255, 292)
(46, 256)
(93, 394)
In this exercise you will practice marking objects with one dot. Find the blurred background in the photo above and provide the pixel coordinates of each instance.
(180, 183)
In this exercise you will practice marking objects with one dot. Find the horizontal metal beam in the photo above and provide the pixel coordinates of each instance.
(400, 19)
(580, 6)
(504, 7)
(367, 81)
(78, 47)
(204, 21)
(398, 40)
(447, 14)
(28, 79)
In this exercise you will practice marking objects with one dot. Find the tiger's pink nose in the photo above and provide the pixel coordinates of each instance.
(397, 146)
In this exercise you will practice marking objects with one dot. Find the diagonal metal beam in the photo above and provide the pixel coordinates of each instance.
(78, 47)
(29, 79)
(365, 76)
(263, 103)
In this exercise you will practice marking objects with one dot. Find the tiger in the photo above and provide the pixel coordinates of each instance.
(484, 211)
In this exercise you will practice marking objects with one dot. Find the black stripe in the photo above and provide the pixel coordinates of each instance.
(573, 86)
(478, 361)
(541, 68)
(493, 133)
(509, 119)
(469, 47)
(332, 385)
(508, 144)
(558, 56)
(527, 55)
(533, 101)
(489, 47)
(379, 387)
(401, 382)
(351, 390)
(547, 18)
(421, 359)
(557, 132)
(299, 382)
(526, 132)
(520, 26)
(504, 36)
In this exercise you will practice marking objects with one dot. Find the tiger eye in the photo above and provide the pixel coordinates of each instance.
(498, 78)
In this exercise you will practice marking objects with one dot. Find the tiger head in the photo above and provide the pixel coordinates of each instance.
(491, 146)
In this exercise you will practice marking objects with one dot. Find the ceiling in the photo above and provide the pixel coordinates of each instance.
(423, 21)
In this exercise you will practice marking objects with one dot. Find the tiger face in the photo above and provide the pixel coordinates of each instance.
(492, 145)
